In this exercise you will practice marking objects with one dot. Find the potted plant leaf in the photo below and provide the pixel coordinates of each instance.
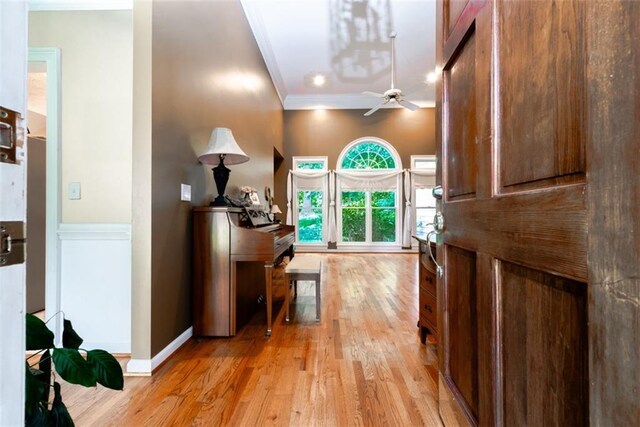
(43, 408)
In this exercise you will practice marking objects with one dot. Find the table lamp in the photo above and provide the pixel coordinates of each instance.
(224, 149)
(275, 210)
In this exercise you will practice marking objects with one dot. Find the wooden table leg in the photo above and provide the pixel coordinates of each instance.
(268, 271)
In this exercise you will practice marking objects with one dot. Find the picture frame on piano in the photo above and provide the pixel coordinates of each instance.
(255, 199)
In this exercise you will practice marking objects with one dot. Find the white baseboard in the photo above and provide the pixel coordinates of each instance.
(146, 366)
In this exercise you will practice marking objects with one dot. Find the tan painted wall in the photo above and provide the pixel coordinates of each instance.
(207, 72)
(96, 62)
(327, 132)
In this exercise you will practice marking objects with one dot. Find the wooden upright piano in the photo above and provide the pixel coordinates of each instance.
(233, 266)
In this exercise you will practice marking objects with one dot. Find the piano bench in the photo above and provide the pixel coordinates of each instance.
(303, 268)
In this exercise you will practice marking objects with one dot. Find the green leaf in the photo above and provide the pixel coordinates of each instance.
(70, 339)
(38, 418)
(34, 390)
(45, 374)
(59, 415)
(107, 369)
(38, 335)
(73, 368)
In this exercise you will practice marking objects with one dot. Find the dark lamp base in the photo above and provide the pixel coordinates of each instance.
(221, 177)
(219, 201)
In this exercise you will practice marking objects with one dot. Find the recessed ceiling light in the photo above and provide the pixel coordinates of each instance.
(431, 77)
(319, 80)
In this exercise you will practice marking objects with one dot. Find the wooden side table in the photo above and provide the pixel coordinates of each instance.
(427, 320)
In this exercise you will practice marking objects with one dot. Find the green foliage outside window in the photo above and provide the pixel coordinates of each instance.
(368, 155)
(310, 165)
(353, 216)
(310, 216)
(383, 216)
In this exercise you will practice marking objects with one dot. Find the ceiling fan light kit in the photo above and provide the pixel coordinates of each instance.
(394, 94)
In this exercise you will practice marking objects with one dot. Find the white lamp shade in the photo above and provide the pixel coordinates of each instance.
(275, 209)
(223, 142)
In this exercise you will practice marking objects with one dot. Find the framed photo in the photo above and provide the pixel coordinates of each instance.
(254, 198)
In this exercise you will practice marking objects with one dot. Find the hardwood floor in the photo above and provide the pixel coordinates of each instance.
(363, 364)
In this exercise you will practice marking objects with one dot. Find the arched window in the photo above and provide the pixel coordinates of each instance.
(368, 202)
(369, 153)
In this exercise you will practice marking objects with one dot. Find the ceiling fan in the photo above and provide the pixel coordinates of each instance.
(394, 94)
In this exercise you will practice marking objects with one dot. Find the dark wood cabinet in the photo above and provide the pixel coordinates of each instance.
(427, 309)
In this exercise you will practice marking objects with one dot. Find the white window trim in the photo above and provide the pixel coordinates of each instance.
(423, 157)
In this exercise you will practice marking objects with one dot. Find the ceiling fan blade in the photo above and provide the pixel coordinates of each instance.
(377, 95)
(374, 109)
(406, 104)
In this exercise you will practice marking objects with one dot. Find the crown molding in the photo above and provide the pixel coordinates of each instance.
(341, 102)
(256, 23)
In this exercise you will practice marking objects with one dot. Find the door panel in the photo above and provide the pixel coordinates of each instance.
(453, 9)
(461, 305)
(544, 348)
(461, 121)
(514, 247)
(544, 146)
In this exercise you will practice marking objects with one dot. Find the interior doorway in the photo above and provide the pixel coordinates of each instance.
(43, 190)
(36, 184)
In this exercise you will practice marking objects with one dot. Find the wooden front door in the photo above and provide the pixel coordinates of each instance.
(526, 323)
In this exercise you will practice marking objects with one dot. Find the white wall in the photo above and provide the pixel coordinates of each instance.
(13, 75)
(95, 271)
(97, 75)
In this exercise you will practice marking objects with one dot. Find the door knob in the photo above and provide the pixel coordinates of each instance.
(436, 192)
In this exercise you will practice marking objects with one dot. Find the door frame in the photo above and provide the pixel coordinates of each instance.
(51, 57)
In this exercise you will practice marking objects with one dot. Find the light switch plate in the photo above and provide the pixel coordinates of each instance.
(185, 192)
(74, 191)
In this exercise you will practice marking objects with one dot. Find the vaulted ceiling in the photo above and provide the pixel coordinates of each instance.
(346, 42)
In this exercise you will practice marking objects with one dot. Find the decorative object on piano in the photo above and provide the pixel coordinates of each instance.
(258, 215)
(275, 210)
(222, 148)
(255, 200)
(267, 196)
(246, 192)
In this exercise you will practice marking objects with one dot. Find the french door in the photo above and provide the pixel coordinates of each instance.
(369, 217)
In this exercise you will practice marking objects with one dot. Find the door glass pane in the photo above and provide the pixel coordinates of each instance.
(383, 216)
(315, 165)
(310, 216)
(424, 216)
(353, 216)
(424, 198)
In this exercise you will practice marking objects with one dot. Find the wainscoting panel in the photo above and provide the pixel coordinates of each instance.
(95, 271)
